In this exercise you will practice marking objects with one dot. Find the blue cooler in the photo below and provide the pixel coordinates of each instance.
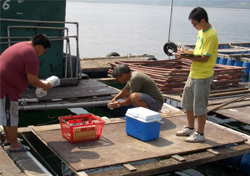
(143, 124)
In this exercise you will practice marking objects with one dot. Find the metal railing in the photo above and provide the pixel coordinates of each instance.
(53, 38)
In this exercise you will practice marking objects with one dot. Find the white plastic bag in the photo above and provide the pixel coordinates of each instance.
(54, 81)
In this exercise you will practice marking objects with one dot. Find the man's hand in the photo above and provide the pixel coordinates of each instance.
(48, 86)
(34, 81)
(110, 71)
(113, 104)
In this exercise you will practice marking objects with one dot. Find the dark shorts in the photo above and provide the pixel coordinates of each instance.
(152, 103)
(8, 112)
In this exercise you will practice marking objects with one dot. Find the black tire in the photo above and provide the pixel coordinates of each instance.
(113, 54)
(152, 59)
(169, 45)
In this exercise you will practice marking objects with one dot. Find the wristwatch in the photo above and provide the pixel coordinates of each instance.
(118, 104)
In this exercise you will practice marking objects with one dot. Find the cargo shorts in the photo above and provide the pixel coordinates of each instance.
(8, 112)
(196, 94)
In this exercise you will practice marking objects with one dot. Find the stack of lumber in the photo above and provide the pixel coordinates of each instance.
(171, 75)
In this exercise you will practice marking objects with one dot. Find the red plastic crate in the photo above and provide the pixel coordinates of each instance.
(81, 128)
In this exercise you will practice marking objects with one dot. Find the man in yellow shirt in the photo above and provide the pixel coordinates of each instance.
(196, 91)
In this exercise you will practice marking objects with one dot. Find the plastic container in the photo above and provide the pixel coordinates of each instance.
(223, 61)
(246, 72)
(245, 164)
(217, 60)
(238, 63)
(81, 128)
(143, 124)
(54, 81)
(230, 62)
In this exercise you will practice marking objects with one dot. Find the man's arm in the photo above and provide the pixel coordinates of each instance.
(123, 93)
(199, 59)
(34, 81)
(202, 58)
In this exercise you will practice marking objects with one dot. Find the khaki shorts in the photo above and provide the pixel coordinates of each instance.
(196, 94)
(8, 112)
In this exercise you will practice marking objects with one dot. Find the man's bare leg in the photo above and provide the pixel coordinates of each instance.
(136, 100)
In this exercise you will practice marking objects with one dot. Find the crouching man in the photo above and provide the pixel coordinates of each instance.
(140, 90)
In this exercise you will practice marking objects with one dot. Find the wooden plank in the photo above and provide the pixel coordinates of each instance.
(107, 150)
(232, 105)
(240, 114)
(178, 158)
(213, 151)
(229, 93)
(7, 166)
(82, 173)
(226, 103)
(171, 164)
(129, 167)
(102, 64)
(226, 90)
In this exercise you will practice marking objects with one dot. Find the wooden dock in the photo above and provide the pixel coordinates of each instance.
(115, 147)
(99, 64)
(88, 93)
(238, 110)
(20, 163)
(7, 166)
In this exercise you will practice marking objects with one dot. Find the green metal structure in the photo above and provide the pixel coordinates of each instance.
(21, 19)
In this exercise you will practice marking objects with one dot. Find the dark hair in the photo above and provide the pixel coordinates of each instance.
(198, 14)
(41, 39)
(119, 69)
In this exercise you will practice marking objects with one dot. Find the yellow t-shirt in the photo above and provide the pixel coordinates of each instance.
(207, 44)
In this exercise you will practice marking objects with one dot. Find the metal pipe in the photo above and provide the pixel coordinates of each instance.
(28, 37)
(38, 164)
(66, 59)
(19, 41)
(41, 27)
(70, 62)
(54, 22)
(35, 21)
(78, 71)
(63, 106)
(37, 27)
(170, 21)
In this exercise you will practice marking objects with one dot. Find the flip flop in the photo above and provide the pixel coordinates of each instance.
(23, 149)
(8, 143)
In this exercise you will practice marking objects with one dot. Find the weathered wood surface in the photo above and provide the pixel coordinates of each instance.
(171, 164)
(26, 164)
(241, 114)
(102, 63)
(7, 166)
(116, 147)
(216, 96)
(85, 88)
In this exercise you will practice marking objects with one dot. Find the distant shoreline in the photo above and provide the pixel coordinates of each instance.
(230, 8)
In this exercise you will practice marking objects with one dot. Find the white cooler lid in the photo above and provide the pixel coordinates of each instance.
(143, 114)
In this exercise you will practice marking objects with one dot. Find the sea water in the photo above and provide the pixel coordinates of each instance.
(143, 29)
